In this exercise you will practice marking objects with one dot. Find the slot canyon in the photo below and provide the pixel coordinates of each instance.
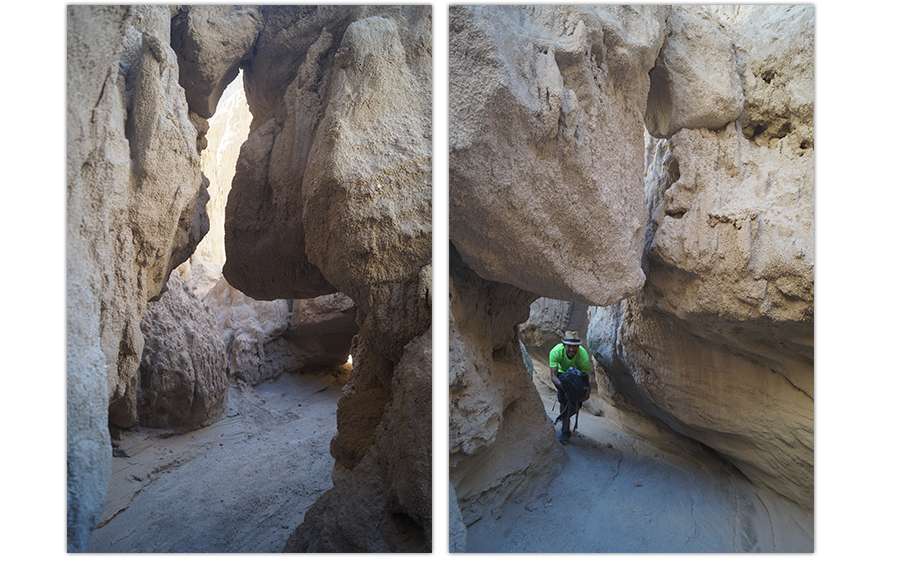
(642, 176)
(248, 206)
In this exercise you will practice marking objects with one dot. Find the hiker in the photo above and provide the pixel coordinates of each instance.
(570, 366)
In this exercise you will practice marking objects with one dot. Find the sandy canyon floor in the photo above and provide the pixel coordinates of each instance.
(244, 483)
(617, 494)
(239, 485)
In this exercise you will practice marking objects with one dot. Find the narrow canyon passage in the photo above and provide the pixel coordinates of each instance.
(241, 484)
(618, 494)
(220, 237)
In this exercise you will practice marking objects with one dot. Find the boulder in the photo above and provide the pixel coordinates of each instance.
(696, 81)
(546, 145)
(183, 372)
(211, 43)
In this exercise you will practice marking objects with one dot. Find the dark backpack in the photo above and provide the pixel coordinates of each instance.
(575, 385)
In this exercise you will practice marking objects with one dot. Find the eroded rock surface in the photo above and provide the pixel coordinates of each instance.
(381, 500)
(339, 148)
(133, 185)
(183, 372)
(332, 193)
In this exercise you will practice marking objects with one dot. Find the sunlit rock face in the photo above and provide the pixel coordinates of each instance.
(332, 193)
(228, 129)
(135, 210)
(183, 372)
(546, 145)
(719, 344)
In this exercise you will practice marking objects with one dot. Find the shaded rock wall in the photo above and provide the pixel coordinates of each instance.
(344, 91)
(546, 163)
(382, 502)
(133, 185)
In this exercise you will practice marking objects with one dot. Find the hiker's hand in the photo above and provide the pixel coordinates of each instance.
(585, 398)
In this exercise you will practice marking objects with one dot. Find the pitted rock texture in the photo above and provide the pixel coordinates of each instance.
(502, 446)
(719, 345)
(133, 185)
(546, 145)
(183, 372)
(316, 79)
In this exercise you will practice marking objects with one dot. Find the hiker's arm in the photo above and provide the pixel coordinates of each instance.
(553, 378)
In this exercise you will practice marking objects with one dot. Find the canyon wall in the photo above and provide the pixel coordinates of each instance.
(135, 209)
(332, 194)
(694, 241)
(719, 344)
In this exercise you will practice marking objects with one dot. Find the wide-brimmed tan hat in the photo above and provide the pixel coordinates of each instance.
(571, 338)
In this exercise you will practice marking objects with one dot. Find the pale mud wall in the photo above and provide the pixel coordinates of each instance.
(546, 163)
(719, 345)
(135, 210)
